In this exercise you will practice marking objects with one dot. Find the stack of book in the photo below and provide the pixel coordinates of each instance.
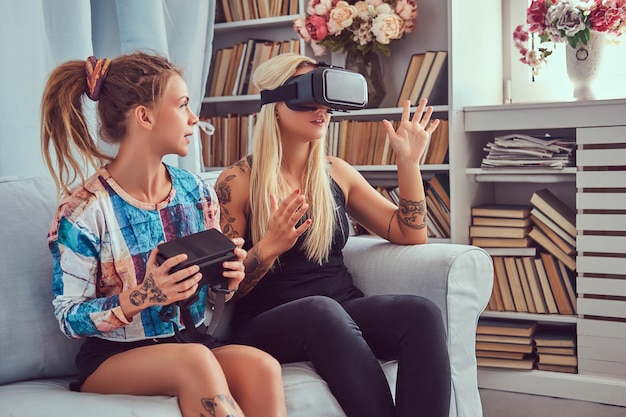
(506, 344)
(554, 226)
(556, 349)
(519, 150)
(501, 226)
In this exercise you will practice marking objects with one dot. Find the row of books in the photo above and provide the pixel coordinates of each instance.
(237, 10)
(426, 77)
(541, 285)
(361, 142)
(521, 344)
(229, 142)
(520, 150)
(233, 66)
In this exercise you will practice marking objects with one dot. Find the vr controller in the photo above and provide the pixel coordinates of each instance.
(207, 249)
(334, 87)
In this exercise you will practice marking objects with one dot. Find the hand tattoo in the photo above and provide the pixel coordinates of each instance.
(412, 213)
(139, 296)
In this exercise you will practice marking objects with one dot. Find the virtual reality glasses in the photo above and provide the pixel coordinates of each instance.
(334, 87)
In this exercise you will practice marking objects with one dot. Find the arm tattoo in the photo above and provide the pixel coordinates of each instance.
(223, 191)
(255, 270)
(148, 289)
(412, 213)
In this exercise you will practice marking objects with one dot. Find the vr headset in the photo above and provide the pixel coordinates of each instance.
(334, 87)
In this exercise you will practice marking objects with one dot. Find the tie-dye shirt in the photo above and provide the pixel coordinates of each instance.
(100, 241)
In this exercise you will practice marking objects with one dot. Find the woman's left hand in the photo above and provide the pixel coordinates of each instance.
(234, 270)
(409, 141)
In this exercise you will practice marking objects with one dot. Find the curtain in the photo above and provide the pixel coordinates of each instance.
(50, 32)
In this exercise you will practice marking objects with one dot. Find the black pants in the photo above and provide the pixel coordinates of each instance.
(344, 342)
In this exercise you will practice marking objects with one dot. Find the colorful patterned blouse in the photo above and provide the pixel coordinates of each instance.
(100, 241)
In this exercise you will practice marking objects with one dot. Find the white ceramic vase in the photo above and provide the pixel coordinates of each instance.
(583, 63)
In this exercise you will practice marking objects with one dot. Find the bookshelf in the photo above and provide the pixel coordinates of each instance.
(596, 188)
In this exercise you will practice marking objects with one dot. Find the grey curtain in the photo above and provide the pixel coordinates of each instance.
(37, 35)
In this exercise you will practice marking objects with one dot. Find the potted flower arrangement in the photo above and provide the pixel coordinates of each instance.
(575, 23)
(360, 29)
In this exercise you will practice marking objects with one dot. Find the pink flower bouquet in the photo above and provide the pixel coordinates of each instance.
(369, 25)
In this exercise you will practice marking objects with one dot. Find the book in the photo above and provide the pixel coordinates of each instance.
(500, 354)
(437, 77)
(516, 285)
(505, 347)
(534, 284)
(546, 290)
(440, 181)
(504, 242)
(503, 283)
(526, 363)
(409, 79)
(555, 209)
(537, 215)
(558, 287)
(556, 350)
(538, 236)
(530, 303)
(568, 280)
(563, 244)
(496, 338)
(556, 336)
(509, 211)
(501, 221)
(523, 328)
(495, 300)
(530, 251)
(550, 359)
(499, 231)
(422, 74)
(557, 368)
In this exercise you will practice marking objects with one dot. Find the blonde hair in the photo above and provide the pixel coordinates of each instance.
(266, 177)
(134, 79)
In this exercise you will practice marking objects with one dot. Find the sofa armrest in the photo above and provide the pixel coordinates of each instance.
(458, 278)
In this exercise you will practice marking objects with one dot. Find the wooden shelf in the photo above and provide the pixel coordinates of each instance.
(518, 175)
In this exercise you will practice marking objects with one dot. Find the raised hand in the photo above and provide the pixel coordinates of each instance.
(410, 139)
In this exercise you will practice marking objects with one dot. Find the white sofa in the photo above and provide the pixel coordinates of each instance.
(37, 361)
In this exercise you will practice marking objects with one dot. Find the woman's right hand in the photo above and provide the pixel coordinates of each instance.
(159, 287)
(283, 230)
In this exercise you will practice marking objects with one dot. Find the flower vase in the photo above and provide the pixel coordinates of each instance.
(583, 63)
(368, 65)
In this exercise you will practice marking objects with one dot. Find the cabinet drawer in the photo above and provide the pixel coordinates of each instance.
(601, 222)
(600, 265)
(600, 201)
(601, 286)
(601, 179)
(606, 244)
(601, 308)
(601, 368)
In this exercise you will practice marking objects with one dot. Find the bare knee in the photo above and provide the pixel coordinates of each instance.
(195, 364)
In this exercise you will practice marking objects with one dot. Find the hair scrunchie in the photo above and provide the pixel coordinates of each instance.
(96, 71)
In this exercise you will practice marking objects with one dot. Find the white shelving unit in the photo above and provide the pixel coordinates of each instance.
(597, 189)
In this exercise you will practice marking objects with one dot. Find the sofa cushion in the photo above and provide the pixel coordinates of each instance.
(31, 345)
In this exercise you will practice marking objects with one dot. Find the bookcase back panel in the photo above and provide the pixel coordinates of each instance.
(601, 286)
(601, 179)
(602, 308)
(600, 265)
(601, 201)
(606, 244)
(601, 222)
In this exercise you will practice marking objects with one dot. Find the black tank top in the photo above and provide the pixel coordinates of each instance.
(294, 276)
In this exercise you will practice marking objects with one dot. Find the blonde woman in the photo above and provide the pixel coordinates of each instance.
(289, 200)
(108, 288)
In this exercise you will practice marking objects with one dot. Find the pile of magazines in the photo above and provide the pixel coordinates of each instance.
(519, 150)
